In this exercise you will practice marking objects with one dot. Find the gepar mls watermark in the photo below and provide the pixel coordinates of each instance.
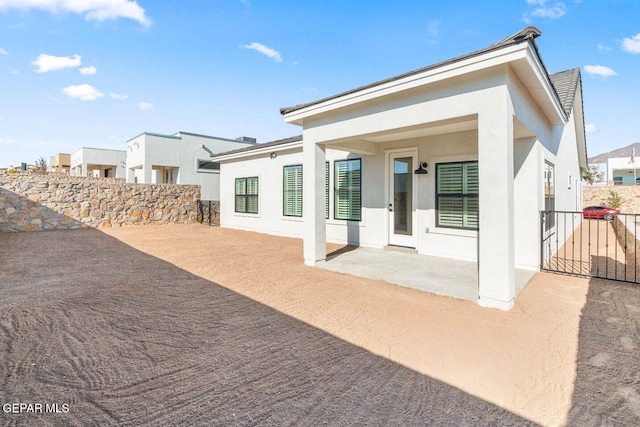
(35, 408)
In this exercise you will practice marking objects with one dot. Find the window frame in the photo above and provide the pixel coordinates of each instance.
(199, 169)
(327, 193)
(298, 192)
(247, 197)
(549, 194)
(350, 191)
(464, 195)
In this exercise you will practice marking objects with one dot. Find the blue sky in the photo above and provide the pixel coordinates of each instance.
(97, 73)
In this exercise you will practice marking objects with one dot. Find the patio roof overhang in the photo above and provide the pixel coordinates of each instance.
(522, 58)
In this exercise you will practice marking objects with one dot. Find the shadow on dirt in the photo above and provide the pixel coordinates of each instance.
(125, 338)
(607, 390)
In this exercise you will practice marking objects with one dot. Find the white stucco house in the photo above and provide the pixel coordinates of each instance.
(622, 170)
(455, 160)
(181, 158)
(98, 162)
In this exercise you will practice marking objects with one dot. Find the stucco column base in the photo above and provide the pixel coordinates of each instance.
(494, 303)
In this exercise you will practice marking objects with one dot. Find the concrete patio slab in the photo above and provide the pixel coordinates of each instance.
(441, 276)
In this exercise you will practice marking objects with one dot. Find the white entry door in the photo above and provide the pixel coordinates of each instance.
(402, 198)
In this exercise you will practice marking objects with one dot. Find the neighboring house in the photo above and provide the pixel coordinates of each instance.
(181, 158)
(455, 160)
(623, 170)
(60, 163)
(98, 162)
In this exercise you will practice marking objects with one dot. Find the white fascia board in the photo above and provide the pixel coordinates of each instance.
(518, 52)
(257, 151)
(545, 85)
(475, 63)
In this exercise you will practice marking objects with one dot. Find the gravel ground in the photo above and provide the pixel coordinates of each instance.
(196, 325)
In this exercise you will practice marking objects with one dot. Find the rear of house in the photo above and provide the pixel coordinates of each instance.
(455, 160)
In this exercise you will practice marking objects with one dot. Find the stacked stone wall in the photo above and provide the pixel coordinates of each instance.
(626, 231)
(597, 196)
(30, 202)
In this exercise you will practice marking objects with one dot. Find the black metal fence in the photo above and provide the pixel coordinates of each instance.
(591, 247)
(209, 212)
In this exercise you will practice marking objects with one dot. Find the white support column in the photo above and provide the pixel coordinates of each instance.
(496, 275)
(315, 224)
(147, 171)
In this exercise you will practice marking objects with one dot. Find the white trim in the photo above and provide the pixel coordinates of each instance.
(409, 241)
(258, 151)
(260, 207)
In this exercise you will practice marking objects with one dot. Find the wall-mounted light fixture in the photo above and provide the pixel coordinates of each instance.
(273, 155)
(422, 169)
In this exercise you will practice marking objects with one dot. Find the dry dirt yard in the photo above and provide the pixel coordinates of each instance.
(196, 325)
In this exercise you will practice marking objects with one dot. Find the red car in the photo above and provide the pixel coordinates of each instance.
(600, 212)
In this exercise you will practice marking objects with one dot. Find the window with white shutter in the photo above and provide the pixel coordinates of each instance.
(247, 195)
(292, 191)
(457, 195)
(347, 189)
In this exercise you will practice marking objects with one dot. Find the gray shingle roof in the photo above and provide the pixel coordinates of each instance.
(566, 84)
(527, 34)
(260, 146)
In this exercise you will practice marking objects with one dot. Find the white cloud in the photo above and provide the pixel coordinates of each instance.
(631, 45)
(590, 128)
(118, 96)
(97, 10)
(3, 52)
(273, 54)
(146, 106)
(47, 63)
(6, 141)
(603, 47)
(433, 28)
(83, 92)
(599, 70)
(542, 11)
(550, 12)
(87, 71)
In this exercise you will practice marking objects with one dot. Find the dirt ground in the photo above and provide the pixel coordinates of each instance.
(197, 325)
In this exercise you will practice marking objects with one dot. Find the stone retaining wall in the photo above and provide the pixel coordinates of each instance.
(31, 202)
(627, 238)
(597, 196)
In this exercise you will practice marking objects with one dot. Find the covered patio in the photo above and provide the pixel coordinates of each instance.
(403, 267)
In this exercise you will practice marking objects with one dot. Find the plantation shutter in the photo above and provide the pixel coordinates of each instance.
(292, 191)
(241, 192)
(470, 189)
(252, 195)
(348, 181)
(450, 202)
(457, 195)
(326, 190)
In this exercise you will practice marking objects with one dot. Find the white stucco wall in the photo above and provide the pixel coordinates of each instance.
(489, 115)
(622, 167)
(149, 155)
(94, 161)
(372, 230)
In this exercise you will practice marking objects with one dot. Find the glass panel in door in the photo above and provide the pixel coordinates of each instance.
(403, 196)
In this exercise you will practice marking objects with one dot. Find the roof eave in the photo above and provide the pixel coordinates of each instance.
(502, 55)
(257, 151)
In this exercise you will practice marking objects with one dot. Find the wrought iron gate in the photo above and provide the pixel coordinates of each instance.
(209, 212)
(573, 243)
